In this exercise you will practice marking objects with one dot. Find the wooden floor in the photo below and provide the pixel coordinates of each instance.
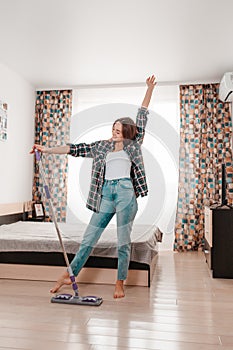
(185, 309)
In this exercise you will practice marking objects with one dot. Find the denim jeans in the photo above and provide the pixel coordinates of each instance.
(118, 198)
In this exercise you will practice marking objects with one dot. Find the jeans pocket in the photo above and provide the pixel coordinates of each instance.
(126, 184)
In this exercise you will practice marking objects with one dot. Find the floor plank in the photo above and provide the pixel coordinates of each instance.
(183, 309)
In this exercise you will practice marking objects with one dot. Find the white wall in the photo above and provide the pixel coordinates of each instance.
(16, 171)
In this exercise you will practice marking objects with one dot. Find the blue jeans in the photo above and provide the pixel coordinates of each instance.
(118, 198)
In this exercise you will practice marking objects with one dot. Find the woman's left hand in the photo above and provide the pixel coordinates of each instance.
(151, 82)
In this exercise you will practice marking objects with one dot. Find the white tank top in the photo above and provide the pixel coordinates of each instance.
(118, 165)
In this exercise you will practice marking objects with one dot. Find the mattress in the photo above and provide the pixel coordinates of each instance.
(29, 236)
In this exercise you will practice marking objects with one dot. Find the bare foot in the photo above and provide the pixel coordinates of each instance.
(64, 279)
(119, 290)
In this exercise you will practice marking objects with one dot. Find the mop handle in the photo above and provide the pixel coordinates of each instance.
(48, 196)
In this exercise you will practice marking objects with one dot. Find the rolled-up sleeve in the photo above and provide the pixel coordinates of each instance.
(83, 149)
(141, 122)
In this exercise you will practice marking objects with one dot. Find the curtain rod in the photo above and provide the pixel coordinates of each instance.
(107, 86)
(125, 85)
(119, 85)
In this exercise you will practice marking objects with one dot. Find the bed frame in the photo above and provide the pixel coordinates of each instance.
(47, 266)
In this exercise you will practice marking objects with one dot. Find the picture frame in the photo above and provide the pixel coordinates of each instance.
(38, 210)
(3, 121)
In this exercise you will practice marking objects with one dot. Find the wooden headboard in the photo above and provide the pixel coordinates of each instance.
(11, 218)
(12, 212)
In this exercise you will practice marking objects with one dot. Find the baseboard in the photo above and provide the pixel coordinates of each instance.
(87, 275)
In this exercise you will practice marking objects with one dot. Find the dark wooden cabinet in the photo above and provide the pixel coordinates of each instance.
(219, 241)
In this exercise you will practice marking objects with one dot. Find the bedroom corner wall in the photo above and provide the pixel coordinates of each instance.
(16, 171)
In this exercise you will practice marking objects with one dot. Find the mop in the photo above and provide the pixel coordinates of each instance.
(65, 298)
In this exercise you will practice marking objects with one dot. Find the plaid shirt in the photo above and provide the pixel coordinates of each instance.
(98, 151)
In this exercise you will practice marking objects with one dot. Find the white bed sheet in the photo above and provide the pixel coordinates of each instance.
(42, 237)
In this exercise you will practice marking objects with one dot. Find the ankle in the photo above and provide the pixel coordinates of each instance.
(119, 283)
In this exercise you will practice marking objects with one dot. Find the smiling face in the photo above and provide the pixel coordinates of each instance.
(117, 132)
(124, 129)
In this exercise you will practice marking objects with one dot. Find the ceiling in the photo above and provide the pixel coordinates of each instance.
(65, 44)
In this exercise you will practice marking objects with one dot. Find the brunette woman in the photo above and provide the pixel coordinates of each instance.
(118, 178)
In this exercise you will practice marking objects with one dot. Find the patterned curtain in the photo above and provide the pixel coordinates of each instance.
(52, 128)
(205, 143)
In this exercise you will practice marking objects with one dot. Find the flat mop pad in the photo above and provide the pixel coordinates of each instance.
(76, 300)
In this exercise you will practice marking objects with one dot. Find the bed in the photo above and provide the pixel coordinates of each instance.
(31, 250)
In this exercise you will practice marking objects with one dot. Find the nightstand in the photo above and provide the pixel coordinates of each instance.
(219, 241)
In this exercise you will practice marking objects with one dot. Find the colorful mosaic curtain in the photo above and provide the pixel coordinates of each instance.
(205, 143)
(52, 128)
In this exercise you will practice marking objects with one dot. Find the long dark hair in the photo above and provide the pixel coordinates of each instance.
(129, 129)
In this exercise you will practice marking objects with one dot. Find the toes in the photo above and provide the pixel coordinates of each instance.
(119, 293)
(55, 289)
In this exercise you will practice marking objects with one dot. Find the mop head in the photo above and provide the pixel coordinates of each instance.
(76, 300)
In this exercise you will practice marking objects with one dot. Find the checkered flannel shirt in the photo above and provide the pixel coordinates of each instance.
(98, 151)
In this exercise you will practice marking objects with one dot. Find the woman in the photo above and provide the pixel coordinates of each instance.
(118, 177)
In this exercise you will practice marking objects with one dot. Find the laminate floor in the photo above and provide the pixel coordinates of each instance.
(185, 309)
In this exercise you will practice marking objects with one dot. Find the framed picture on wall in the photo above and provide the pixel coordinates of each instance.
(3, 121)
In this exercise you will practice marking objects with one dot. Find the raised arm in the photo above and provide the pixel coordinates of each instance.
(150, 82)
(141, 119)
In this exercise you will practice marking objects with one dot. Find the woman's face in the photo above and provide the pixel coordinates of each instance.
(117, 132)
